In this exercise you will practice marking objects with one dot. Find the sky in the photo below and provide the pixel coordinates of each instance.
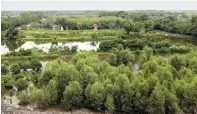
(97, 5)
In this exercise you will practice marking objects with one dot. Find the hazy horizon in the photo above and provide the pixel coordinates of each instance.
(98, 5)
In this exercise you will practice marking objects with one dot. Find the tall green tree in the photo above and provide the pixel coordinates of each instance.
(73, 95)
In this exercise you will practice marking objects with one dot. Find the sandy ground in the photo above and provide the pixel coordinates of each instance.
(8, 109)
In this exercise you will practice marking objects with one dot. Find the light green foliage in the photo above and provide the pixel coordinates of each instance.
(120, 47)
(70, 35)
(24, 98)
(50, 91)
(72, 95)
(186, 92)
(193, 64)
(157, 100)
(96, 95)
(142, 58)
(121, 87)
(121, 56)
(39, 97)
(159, 85)
(109, 104)
(148, 51)
(165, 76)
(51, 70)
(150, 67)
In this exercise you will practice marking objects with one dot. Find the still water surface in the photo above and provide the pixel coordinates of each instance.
(45, 46)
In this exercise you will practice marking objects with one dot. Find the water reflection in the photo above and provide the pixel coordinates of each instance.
(4, 49)
(7, 46)
(45, 46)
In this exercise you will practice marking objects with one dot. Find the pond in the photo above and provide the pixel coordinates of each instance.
(45, 46)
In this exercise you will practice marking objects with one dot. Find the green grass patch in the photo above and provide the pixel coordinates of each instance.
(68, 35)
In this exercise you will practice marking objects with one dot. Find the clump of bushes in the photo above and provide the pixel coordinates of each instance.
(11, 33)
(63, 50)
(15, 68)
(21, 52)
(180, 49)
(158, 45)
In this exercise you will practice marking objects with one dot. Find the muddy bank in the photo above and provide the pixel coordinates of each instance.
(8, 109)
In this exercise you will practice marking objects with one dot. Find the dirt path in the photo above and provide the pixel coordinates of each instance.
(8, 109)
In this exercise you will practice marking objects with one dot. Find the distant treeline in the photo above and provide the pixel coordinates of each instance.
(139, 21)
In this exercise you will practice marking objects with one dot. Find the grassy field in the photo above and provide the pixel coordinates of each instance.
(68, 35)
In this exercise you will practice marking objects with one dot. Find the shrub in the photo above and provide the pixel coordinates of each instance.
(8, 81)
(24, 98)
(181, 49)
(22, 84)
(25, 52)
(15, 68)
(11, 33)
(4, 69)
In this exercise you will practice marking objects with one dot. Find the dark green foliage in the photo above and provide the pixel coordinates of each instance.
(19, 76)
(25, 52)
(13, 53)
(22, 19)
(73, 49)
(11, 34)
(158, 45)
(22, 84)
(107, 45)
(8, 81)
(2, 87)
(63, 50)
(35, 64)
(15, 68)
(21, 52)
(149, 26)
(4, 69)
(180, 49)
(35, 77)
(177, 62)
